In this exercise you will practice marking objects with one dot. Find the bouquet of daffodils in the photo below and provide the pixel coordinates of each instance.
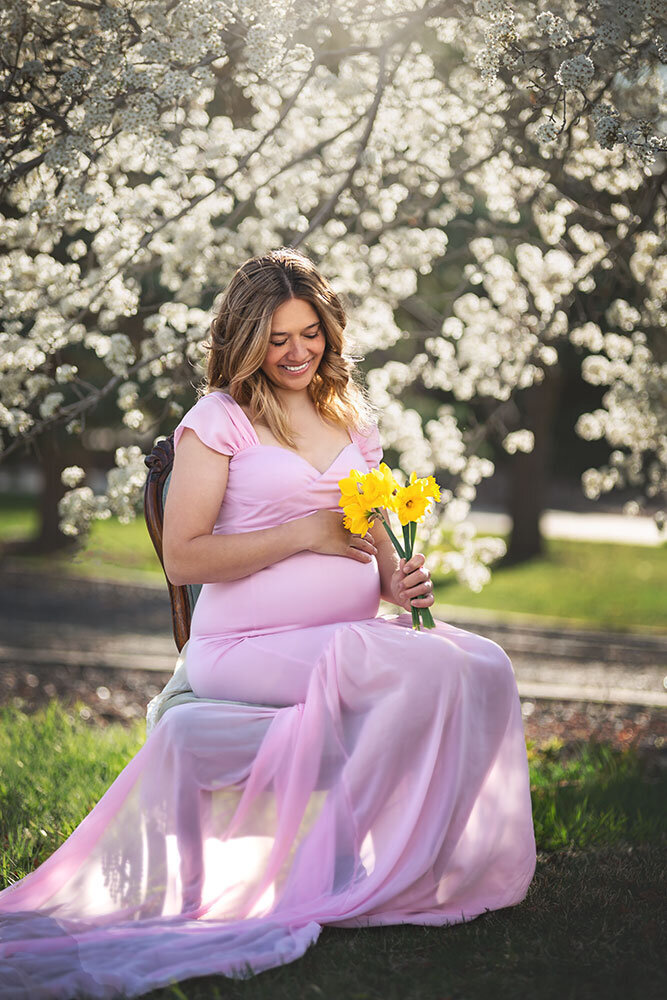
(367, 495)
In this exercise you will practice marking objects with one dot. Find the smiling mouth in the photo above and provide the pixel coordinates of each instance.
(295, 369)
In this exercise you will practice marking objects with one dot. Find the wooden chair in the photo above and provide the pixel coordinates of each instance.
(183, 599)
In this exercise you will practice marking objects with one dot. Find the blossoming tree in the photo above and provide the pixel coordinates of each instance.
(151, 146)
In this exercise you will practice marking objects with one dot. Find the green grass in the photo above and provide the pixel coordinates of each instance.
(601, 584)
(18, 516)
(53, 768)
(591, 924)
(112, 550)
(590, 584)
(593, 795)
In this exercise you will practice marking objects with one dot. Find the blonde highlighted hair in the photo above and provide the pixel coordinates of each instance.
(239, 340)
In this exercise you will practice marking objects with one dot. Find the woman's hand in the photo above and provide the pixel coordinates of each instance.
(411, 584)
(326, 534)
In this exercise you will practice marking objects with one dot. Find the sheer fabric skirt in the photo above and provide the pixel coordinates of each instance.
(393, 789)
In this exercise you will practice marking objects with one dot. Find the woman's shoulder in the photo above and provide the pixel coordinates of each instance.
(221, 402)
(218, 421)
(367, 439)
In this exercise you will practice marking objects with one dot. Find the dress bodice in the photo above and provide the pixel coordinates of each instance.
(269, 485)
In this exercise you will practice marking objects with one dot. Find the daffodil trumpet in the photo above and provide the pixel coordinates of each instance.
(366, 496)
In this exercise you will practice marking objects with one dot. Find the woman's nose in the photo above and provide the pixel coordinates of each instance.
(297, 356)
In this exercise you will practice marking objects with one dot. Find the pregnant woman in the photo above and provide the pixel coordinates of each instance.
(376, 774)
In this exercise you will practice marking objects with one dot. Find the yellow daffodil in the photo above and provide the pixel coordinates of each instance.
(373, 486)
(350, 486)
(358, 517)
(385, 484)
(375, 491)
(411, 503)
(428, 486)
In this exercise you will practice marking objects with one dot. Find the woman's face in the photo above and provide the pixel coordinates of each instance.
(296, 345)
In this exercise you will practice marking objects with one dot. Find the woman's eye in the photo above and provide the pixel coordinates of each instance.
(308, 336)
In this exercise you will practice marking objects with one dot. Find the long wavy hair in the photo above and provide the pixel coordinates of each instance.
(239, 340)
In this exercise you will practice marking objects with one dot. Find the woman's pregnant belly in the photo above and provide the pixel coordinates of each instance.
(303, 590)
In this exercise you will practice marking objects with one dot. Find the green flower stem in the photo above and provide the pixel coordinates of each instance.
(395, 541)
(425, 613)
(427, 618)
(408, 538)
(407, 542)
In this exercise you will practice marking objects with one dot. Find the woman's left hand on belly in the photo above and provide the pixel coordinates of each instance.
(411, 584)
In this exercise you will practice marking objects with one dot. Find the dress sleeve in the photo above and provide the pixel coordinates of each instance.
(369, 446)
(214, 424)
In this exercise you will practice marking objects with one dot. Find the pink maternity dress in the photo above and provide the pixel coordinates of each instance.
(380, 777)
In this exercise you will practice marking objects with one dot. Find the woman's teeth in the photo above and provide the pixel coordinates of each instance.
(296, 368)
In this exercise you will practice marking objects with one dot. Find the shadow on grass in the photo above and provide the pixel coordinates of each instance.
(590, 927)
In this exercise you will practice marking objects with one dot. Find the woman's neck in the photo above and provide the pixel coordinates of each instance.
(297, 403)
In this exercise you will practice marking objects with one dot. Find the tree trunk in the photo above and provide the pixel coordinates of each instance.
(52, 459)
(529, 473)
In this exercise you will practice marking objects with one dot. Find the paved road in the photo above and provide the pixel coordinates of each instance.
(101, 624)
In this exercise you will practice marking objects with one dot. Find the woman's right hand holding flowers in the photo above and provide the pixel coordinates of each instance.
(411, 583)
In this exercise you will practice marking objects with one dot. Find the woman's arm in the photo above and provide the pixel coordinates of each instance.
(192, 554)
(404, 584)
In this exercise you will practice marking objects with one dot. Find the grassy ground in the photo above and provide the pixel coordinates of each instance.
(600, 584)
(591, 924)
(113, 550)
(592, 584)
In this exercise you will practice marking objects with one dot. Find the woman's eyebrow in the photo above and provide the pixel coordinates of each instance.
(279, 333)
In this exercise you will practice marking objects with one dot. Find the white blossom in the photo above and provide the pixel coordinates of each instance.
(134, 419)
(66, 373)
(575, 73)
(50, 404)
(72, 475)
(78, 508)
(547, 131)
(125, 483)
(128, 394)
(522, 440)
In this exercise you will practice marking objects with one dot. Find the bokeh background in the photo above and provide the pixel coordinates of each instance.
(483, 183)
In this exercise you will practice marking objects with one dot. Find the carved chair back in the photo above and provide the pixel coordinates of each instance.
(183, 599)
